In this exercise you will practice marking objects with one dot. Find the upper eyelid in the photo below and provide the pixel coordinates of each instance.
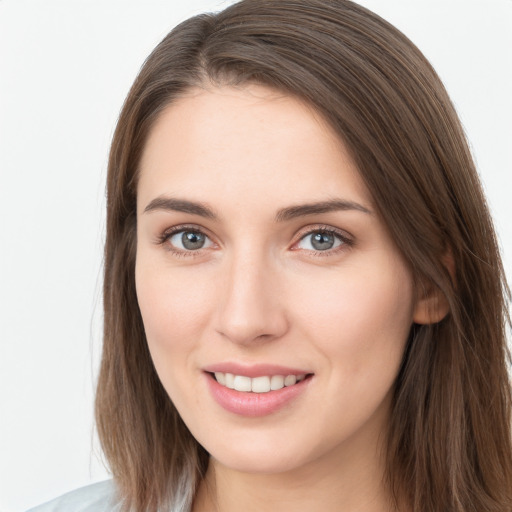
(164, 236)
(299, 235)
(347, 240)
(186, 227)
(326, 229)
(301, 232)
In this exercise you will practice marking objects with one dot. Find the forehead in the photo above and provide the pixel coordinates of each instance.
(253, 142)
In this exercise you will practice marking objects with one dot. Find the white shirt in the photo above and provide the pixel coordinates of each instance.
(99, 497)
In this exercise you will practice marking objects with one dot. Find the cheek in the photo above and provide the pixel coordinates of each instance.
(361, 318)
(175, 310)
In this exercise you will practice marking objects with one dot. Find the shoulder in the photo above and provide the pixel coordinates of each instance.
(99, 497)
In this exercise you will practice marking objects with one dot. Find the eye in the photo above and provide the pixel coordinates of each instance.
(188, 240)
(322, 240)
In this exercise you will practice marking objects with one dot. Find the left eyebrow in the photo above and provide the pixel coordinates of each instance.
(292, 212)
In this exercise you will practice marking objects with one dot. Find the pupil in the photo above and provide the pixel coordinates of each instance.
(322, 241)
(192, 240)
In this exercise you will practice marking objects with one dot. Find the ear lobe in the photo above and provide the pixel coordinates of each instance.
(431, 307)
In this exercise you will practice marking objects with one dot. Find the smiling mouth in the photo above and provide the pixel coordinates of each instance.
(263, 384)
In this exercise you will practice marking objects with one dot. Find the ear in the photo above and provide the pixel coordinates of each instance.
(431, 303)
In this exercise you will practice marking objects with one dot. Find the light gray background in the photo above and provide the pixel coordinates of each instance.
(65, 68)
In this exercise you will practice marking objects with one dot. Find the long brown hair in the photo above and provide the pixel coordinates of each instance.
(449, 439)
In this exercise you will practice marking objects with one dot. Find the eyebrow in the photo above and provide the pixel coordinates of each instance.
(332, 205)
(180, 205)
(283, 215)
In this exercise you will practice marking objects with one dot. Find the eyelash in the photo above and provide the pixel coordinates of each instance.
(164, 238)
(346, 241)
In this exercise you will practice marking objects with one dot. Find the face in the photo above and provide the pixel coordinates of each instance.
(275, 304)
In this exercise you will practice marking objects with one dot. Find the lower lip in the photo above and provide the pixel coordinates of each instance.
(254, 404)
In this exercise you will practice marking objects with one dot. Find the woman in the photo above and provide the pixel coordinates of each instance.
(305, 306)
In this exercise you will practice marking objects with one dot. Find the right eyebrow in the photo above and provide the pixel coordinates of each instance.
(180, 205)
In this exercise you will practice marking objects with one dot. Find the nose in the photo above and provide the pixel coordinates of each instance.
(251, 307)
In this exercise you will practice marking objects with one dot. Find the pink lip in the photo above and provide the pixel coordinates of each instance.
(254, 370)
(255, 404)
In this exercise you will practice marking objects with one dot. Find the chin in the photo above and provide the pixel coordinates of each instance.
(264, 454)
(255, 463)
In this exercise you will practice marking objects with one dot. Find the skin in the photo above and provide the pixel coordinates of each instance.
(257, 292)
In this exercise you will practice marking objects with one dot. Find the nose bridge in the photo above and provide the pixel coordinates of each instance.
(249, 307)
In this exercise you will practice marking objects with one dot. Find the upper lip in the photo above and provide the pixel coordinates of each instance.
(254, 370)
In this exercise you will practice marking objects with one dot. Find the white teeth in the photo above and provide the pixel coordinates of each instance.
(290, 380)
(230, 381)
(242, 383)
(262, 384)
(276, 382)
